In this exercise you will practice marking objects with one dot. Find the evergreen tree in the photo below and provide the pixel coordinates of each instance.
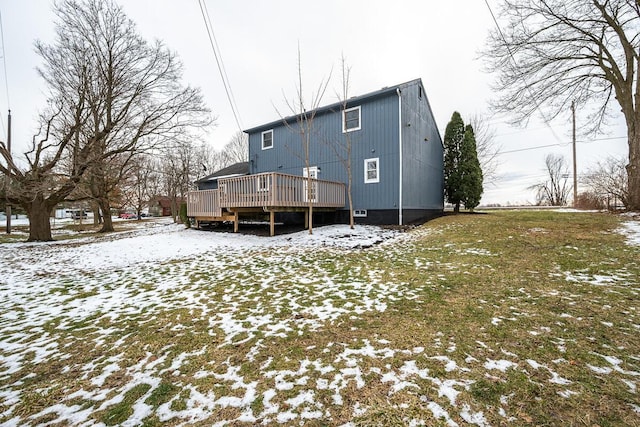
(470, 171)
(453, 136)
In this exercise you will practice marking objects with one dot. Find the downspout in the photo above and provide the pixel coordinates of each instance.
(400, 153)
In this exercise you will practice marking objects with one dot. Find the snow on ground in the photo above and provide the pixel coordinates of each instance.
(631, 230)
(112, 286)
(160, 240)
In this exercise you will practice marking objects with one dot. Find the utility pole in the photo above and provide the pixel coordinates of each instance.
(8, 206)
(575, 168)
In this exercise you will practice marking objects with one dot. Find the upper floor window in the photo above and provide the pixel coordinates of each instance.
(351, 119)
(371, 170)
(267, 139)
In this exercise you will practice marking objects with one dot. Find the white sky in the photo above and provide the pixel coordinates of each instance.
(384, 42)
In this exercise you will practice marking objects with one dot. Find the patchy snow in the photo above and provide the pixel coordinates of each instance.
(163, 240)
(622, 278)
(471, 417)
(500, 365)
(600, 370)
(97, 284)
(631, 230)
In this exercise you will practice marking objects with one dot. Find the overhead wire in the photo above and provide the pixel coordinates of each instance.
(559, 144)
(218, 56)
(6, 78)
(224, 69)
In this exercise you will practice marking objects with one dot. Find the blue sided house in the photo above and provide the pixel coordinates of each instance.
(396, 162)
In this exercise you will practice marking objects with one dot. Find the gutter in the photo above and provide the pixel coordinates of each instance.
(400, 153)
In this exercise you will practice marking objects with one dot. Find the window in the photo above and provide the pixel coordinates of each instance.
(371, 170)
(351, 119)
(267, 139)
(360, 213)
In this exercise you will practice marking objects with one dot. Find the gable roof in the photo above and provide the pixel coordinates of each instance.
(236, 169)
(336, 106)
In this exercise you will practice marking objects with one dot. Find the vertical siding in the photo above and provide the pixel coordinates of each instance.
(377, 138)
(422, 152)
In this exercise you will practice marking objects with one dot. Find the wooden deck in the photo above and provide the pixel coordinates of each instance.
(266, 192)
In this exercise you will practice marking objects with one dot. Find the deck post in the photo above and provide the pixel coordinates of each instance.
(235, 221)
(306, 219)
(272, 223)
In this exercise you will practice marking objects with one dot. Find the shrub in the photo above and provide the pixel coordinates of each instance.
(183, 215)
(590, 200)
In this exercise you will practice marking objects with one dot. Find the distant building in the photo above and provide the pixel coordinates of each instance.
(161, 205)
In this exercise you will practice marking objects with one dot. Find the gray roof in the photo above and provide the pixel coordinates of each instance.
(336, 106)
(233, 170)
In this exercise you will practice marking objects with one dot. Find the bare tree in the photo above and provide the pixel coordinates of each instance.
(138, 92)
(486, 148)
(304, 118)
(107, 180)
(555, 190)
(209, 160)
(237, 149)
(111, 95)
(38, 187)
(137, 188)
(343, 148)
(608, 180)
(549, 53)
(180, 168)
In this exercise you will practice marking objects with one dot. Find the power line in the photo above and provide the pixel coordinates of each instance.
(531, 148)
(224, 69)
(560, 144)
(218, 56)
(4, 62)
(584, 141)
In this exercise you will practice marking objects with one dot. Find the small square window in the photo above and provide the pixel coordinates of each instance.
(351, 119)
(267, 139)
(360, 213)
(371, 170)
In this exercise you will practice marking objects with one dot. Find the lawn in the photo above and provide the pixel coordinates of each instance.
(505, 318)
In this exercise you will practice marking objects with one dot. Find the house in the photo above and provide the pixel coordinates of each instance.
(396, 161)
(161, 205)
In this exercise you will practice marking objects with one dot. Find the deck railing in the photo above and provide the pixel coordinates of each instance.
(204, 203)
(279, 190)
(269, 190)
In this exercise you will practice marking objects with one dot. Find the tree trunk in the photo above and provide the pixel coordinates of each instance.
(456, 207)
(351, 221)
(38, 210)
(95, 208)
(174, 209)
(633, 170)
(105, 207)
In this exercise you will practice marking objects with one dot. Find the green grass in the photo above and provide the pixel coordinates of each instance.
(121, 412)
(465, 290)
